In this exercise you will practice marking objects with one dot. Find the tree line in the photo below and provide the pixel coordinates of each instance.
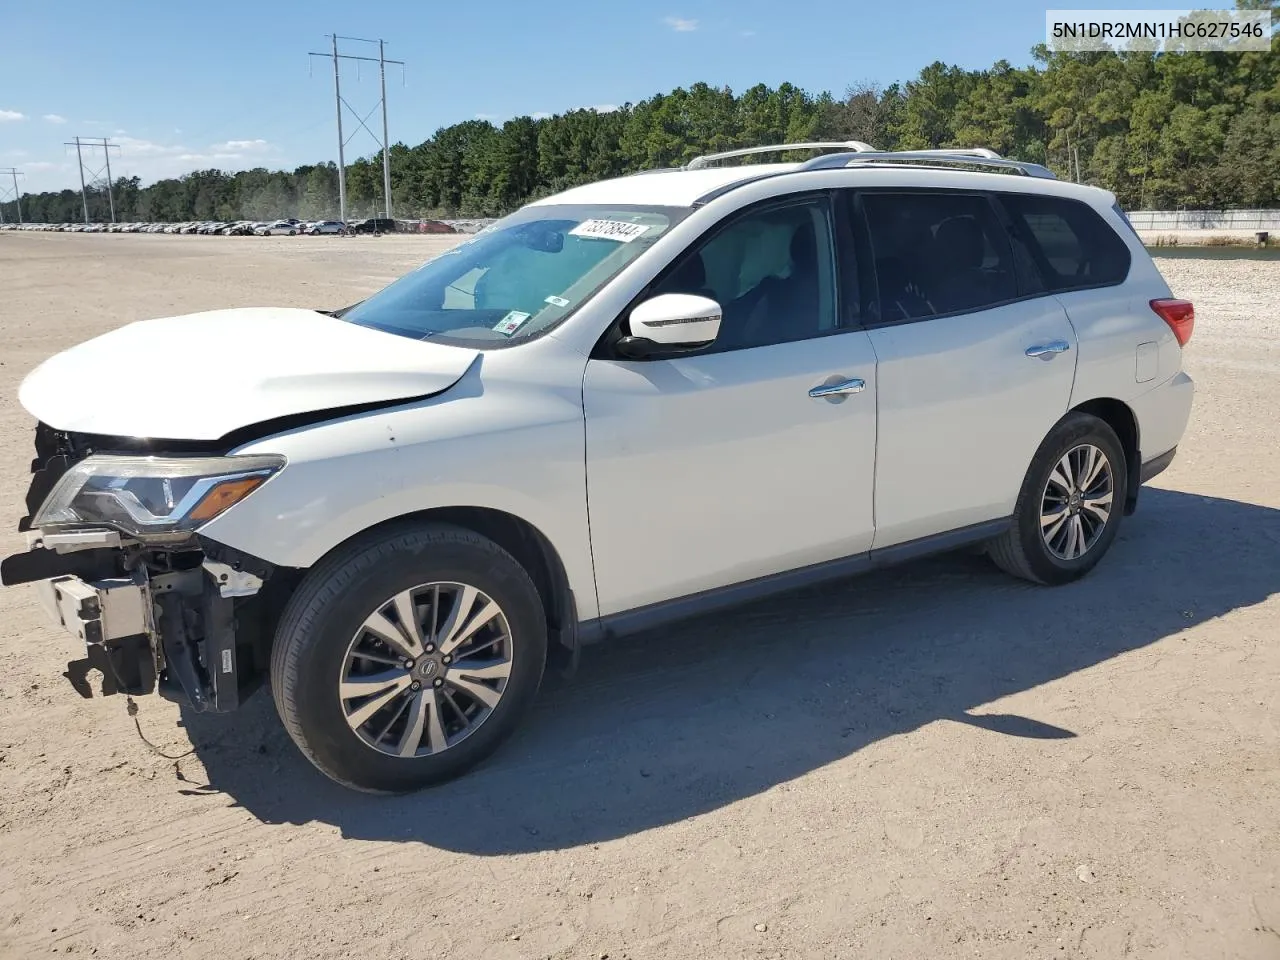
(1163, 131)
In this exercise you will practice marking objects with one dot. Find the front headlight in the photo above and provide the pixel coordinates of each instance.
(152, 498)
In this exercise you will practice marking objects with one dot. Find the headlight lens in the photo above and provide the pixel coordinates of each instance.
(153, 498)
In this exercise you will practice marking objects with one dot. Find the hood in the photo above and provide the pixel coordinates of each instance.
(201, 376)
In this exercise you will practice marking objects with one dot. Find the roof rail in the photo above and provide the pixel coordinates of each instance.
(857, 146)
(984, 152)
(980, 157)
(637, 173)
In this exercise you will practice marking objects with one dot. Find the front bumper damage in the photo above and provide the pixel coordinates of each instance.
(170, 632)
(112, 618)
(190, 621)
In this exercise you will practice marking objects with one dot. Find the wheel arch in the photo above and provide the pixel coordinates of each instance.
(531, 548)
(1119, 416)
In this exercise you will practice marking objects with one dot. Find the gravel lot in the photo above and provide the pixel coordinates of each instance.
(935, 761)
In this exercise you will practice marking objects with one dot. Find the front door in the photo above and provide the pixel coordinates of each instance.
(720, 467)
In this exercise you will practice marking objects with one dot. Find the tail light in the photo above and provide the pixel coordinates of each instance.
(1180, 315)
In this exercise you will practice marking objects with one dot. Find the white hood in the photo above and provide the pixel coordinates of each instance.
(198, 377)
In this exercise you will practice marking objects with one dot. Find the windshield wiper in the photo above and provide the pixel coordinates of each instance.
(341, 312)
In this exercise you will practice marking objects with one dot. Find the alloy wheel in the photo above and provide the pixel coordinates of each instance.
(1077, 501)
(426, 669)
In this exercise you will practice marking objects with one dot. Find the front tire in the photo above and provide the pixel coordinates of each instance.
(1070, 506)
(408, 656)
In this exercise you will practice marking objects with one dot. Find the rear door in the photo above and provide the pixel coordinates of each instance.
(975, 364)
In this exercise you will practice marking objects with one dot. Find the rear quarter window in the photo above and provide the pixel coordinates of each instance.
(1071, 245)
(1124, 217)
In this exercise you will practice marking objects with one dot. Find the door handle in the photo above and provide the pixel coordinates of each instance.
(1047, 351)
(838, 390)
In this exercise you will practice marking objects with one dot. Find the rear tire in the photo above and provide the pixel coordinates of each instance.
(1070, 506)
(448, 710)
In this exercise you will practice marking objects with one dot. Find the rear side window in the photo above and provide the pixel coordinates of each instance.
(937, 253)
(1072, 246)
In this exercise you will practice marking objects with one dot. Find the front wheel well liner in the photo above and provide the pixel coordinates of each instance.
(1119, 417)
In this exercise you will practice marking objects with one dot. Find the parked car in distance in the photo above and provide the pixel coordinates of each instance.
(621, 405)
(373, 225)
(326, 226)
(434, 226)
(279, 228)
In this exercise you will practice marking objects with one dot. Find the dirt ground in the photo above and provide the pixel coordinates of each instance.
(935, 761)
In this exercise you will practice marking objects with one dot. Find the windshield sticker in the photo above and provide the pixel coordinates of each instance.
(511, 322)
(619, 230)
(557, 301)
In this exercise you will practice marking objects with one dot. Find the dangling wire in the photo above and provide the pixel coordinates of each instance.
(132, 709)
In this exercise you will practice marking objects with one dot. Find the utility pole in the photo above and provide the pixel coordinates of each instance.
(342, 164)
(111, 197)
(107, 146)
(384, 141)
(84, 197)
(17, 197)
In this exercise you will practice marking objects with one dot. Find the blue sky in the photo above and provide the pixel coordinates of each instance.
(181, 85)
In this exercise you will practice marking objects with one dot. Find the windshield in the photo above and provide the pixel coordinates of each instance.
(518, 277)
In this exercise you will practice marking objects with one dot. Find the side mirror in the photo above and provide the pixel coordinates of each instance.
(671, 324)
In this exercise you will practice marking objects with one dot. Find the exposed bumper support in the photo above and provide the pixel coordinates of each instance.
(45, 564)
(232, 581)
(179, 628)
(113, 619)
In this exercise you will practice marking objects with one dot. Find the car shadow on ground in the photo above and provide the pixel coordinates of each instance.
(669, 725)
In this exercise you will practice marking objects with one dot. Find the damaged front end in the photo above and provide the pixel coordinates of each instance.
(117, 561)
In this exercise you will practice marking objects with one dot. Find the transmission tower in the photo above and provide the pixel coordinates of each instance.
(4, 191)
(96, 172)
(383, 141)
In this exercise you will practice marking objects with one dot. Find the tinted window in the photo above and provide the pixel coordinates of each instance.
(772, 272)
(937, 253)
(1072, 246)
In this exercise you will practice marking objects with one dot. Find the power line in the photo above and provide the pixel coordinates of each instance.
(107, 146)
(383, 141)
(4, 192)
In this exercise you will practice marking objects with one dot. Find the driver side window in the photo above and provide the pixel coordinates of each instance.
(772, 271)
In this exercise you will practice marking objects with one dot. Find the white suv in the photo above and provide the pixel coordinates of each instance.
(635, 401)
